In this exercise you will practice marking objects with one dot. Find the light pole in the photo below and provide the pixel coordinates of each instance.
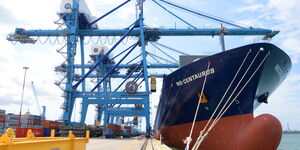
(20, 114)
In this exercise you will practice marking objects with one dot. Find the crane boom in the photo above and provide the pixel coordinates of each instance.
(36, 98)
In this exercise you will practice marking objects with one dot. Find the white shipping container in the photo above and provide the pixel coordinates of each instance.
(24, 126)
(9, 117)
(11, 125)
(28, 116)
(37, 126)
(24, 121)
(2, 111)
(11, 121)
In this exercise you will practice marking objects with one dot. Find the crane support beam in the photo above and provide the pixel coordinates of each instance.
(122, 76)
(147, 31)
(127, 111)
(153, 66)
(110, 95)
(114, 101)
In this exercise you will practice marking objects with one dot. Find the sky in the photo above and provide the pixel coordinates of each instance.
(41, 59)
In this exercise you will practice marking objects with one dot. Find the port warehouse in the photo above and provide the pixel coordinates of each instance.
(42, 127)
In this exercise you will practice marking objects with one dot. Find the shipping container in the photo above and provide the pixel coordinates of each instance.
(22, 132)
(37, 126)
(11, 124)
(28, 116)
(2, 119)
(52, 124)
(1, 126)
(134, 132)
(47, 132)
(37, 118)
(126, 132)
(24, 123)
(10, 117)
(112, 131)
(2, 112)
(46, 124)
(11, 121)
(37, 122)
(30, 122)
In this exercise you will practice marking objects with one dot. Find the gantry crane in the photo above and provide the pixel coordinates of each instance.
(108, 100)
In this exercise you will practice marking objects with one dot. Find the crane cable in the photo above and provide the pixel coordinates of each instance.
(188, 139)
(203, 135)
(203, 14)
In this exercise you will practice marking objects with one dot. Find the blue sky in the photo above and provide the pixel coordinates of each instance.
(36, 14)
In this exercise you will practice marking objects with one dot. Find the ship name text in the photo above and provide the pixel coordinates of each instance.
(195, 76)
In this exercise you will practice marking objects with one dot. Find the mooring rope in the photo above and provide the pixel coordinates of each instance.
(188, 139)
(227, 90)
(221, 113)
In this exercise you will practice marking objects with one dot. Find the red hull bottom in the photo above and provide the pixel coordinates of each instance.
(242, 132)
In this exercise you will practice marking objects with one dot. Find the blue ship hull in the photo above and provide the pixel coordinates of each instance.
(181, 89)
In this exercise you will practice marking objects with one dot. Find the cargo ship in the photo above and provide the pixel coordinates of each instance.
(226, 87)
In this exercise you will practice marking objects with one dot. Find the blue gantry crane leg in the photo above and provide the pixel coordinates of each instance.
(72, 26)
(84, 104)
(144, 55)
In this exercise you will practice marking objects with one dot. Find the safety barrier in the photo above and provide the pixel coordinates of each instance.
(9, 142)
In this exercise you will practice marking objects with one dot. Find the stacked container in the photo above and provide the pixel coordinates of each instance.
(48, 125)
(27, 121)
(112, 131)
(2, 121)
(11, 121)
(31, 121)
(126, 131)
(37, 123)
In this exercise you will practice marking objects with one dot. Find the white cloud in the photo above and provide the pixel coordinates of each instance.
(249, 1)
(250, 8)
(277, 14)
(292, 46)
(286, 11)
(41, 15)
(126, 13)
